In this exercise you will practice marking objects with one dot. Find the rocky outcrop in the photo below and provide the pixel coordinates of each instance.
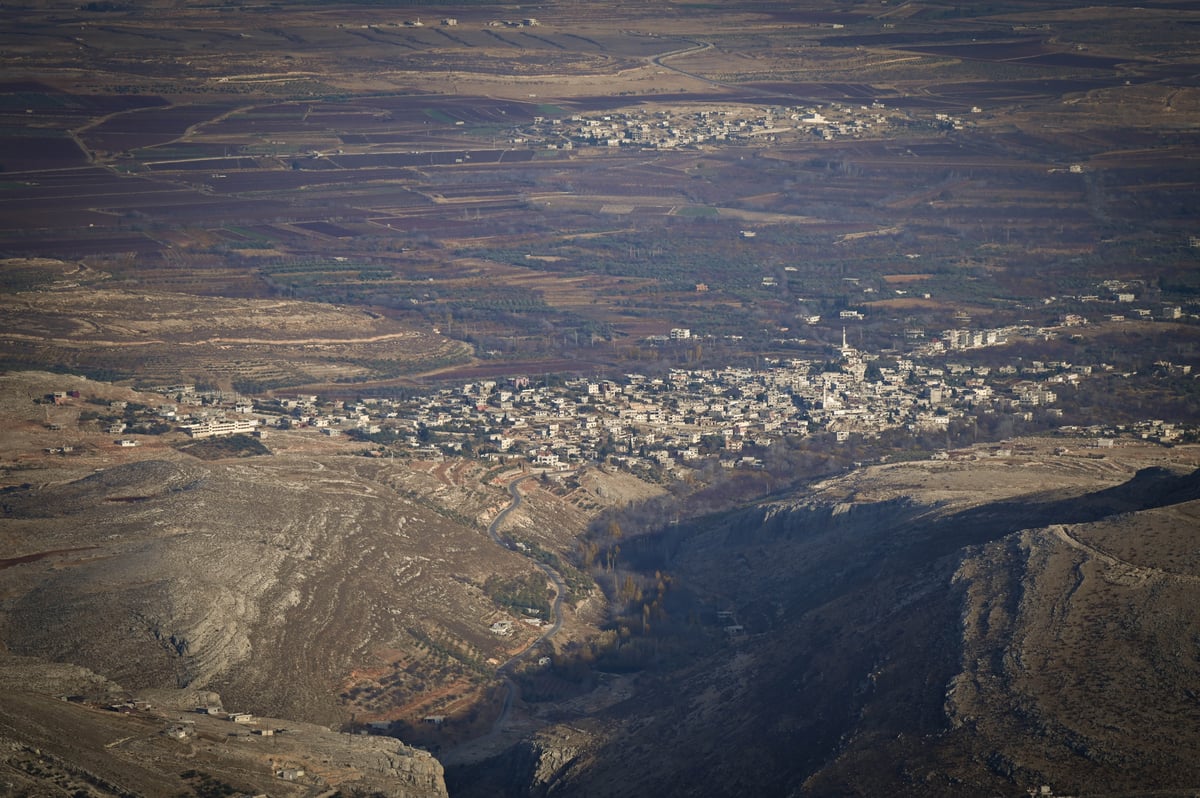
(547, 763)
(397, 771)
(90, 736)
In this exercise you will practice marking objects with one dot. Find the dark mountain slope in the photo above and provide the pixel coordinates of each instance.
(918, 645)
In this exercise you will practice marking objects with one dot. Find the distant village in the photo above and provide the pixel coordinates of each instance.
(668, 128)
(685, 418)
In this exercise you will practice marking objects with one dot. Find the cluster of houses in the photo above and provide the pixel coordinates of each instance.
(676, 420)
(670, 128)
(1126, 300)
(241, 718)
(210, 416)
(528, 22)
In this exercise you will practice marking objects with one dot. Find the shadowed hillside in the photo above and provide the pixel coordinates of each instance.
(907, 647)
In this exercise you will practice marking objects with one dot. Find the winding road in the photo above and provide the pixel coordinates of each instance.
(481, 747)
(697, 47)
(1142, 572)
(560, 587)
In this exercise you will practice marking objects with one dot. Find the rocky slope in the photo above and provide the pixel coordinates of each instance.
(311, 583)
(270, 581)
(65, 731)
(970, 628)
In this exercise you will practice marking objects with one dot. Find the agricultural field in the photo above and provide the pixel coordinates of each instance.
(82, 324)
(562, 189)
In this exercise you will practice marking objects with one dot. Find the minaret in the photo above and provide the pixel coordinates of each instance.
(847, 351)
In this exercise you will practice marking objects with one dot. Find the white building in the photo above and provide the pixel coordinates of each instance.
(212, 428)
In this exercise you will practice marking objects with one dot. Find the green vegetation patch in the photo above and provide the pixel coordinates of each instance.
(697, 211)
(440, 116)
(525, 594)
(579, 584)
(205, 786)
(221, 448)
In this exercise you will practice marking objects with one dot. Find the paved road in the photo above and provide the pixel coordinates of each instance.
(560, 587)
(481, 747)
(697, 47)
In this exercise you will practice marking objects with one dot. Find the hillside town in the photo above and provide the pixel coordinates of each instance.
(682, 419)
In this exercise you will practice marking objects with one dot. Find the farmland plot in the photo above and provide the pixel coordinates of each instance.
(405, 146)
